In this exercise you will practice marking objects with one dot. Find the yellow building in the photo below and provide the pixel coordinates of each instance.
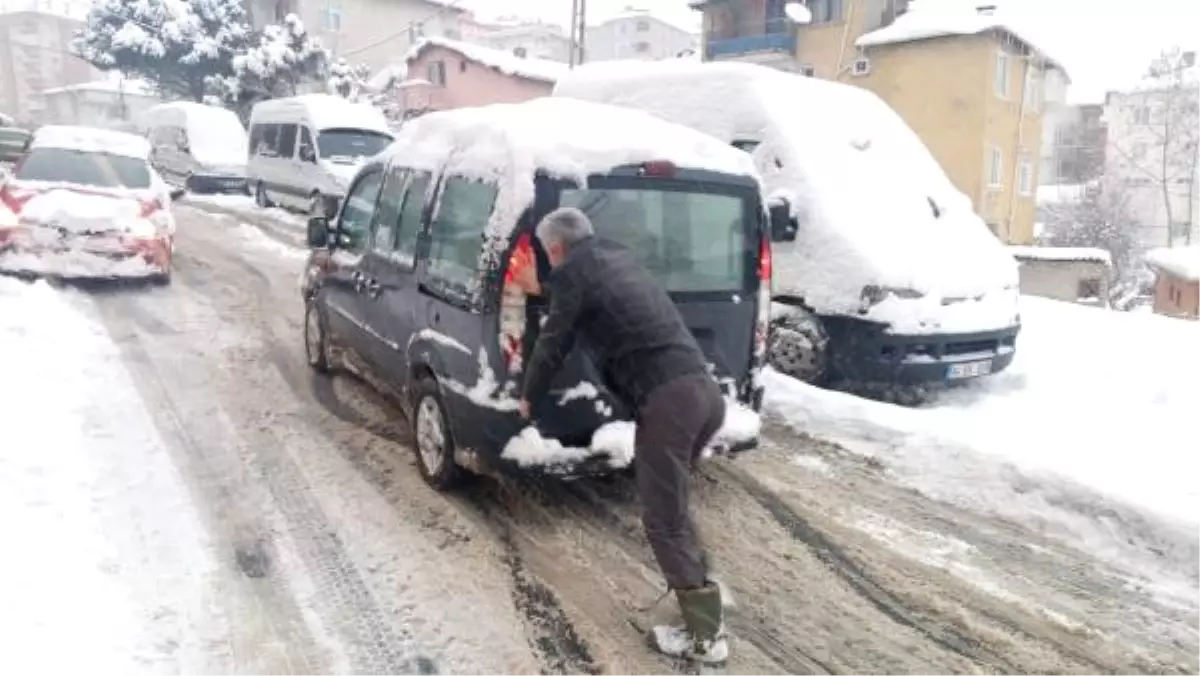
(965, 82)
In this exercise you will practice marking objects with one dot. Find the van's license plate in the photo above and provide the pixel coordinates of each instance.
(969, 369)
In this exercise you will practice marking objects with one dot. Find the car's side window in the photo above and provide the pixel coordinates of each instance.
(306, 141)
(410, 216)
(456, 236)
(355, 222)
(391, 197)
(287, 140)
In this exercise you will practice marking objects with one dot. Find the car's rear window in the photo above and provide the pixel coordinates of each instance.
(691, 241)
(335, 143)
(84, 168)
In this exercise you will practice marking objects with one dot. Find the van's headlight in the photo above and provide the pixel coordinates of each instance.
(873, 295)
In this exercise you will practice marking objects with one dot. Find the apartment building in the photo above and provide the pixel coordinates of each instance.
(533, 39)
(636, 34)
(34, 57)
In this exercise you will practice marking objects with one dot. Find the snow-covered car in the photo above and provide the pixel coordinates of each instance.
(883, 272)
(13, 141)
(197, 147)
(85, 203)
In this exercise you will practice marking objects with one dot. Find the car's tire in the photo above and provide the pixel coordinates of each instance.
(162, 278)
(260, 196)
(433, 444)
(799, 346)
(317, 350)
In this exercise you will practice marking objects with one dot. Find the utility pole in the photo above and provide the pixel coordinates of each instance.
(578, 31)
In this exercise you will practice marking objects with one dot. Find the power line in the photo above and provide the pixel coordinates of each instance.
(454, 5)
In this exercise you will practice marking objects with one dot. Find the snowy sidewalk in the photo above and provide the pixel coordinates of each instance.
(106, 568)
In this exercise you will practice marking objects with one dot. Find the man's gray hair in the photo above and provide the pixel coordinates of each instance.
(565, 225)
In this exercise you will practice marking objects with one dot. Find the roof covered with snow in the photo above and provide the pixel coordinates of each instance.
(509, 64)
(1061, 253)
(90, 139)
(325, 111)
(928, 19)
(113, 83)
(1180, 261)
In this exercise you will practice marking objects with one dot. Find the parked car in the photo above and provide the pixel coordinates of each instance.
(85, 203)
(13, 142)
(890, 276)
(305, 149)
(201, 148)
(409, 284)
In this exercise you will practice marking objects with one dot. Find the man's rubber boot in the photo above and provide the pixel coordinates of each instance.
(702, 636)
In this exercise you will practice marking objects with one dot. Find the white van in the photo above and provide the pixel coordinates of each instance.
(305, 149)
(197, 147)
(882, 270)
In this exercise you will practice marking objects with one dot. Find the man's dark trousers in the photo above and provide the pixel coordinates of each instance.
(674, 424)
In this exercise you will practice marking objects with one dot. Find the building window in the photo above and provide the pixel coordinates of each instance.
(333, 19)
(807, 71)
(436, 73)
(995, 167)
(1088, 289)
(643, 26)
(1025, 176)
(641, 47)
(1033, 89)
(1002, 74)
(1141, 115)
(825, 11)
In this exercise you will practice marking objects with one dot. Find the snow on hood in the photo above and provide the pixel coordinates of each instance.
(873, 205)
(217, 138)
(89, 139)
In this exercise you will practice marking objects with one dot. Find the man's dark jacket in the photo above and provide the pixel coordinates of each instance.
(631, 326)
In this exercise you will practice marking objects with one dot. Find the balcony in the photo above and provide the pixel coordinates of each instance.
(760, 38)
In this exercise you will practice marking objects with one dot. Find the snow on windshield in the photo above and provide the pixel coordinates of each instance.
(91, 140)
(216, 136)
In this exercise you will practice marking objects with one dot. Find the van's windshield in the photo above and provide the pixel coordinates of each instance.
(351, 143)
(691, 241)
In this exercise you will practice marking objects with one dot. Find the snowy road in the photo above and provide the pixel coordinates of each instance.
(331, 554)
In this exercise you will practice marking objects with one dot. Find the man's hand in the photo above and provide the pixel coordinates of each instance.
(523, 409)
(525, 277)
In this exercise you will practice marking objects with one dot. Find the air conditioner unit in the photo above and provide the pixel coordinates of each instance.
(862, 66)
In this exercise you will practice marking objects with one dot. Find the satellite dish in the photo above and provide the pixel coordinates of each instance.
(798, 12)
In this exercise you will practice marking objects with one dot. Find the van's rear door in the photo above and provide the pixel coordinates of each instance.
(699, 234)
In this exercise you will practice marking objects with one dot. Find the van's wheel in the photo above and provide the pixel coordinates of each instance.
(317, 350)
(260, 196)
(799, 347)
(432, 441)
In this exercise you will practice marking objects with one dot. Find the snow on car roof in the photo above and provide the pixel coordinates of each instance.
(91, 139)
(1061, 253)
(509, 143)
(1180, 261)
(328, 111)
(510, 64)
(874, 206)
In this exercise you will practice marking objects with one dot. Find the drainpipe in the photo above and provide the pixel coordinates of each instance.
(1016, 172)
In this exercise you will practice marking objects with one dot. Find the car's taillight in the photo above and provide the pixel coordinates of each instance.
(763, 323)
(512, 304)
(11, 200)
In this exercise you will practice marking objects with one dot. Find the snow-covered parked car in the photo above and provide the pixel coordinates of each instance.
(411, 283)
(201, 148)
(305, 149)
(85, 203)
(882, 270)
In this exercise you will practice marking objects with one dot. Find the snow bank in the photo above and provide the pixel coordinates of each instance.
(90, 139)
(1061, 253)
(1182, 261)
(507, 144)
(106, 567)
(873, 205)
(1104, 398)
(505, 62)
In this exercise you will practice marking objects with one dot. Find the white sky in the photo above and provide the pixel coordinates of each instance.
(1104, 44)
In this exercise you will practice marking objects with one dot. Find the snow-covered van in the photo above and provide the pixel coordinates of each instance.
(882, 270)
(413, 288)
(305, 149)
(197, 147)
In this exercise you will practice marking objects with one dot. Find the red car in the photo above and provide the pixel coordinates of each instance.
(85, 203)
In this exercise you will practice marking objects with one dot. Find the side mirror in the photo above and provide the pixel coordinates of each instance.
(307, 154)
(318, 232)
(177, 193)
(783, 226)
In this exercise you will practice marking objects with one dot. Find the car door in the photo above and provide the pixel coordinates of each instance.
(391, 265)
(306, 161)
(346, 282)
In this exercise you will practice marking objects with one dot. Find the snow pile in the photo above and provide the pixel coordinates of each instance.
(1061, 253)
(92, 140)
(1181, 261)
(102, 543)
(1105, 398)
(509, 64)
(507, 144)
(873, 205)
(243, 206)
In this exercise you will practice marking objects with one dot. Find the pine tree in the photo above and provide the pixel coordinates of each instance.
(348, 81)
(280, 61)
(176, 45)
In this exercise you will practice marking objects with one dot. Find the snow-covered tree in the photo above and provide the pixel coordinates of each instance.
(1101, 219)
(176, 45)
(280, 61)
(349, 81)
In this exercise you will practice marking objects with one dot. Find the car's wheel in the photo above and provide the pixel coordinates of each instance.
(799, 347)
(432, 441)
(316, 339)
(162, 278)
(260, 196)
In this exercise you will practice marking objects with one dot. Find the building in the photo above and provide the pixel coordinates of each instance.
(1177, 281)
(34, 57)
(370, 32)
(967, 83)
(636, 34)
(444, 74)
(1073, 141)
(112, 103)
(534, 39)
(1152, 153)
(1071, 274)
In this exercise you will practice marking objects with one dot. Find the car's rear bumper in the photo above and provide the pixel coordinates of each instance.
(96, 257)
(211, 183)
